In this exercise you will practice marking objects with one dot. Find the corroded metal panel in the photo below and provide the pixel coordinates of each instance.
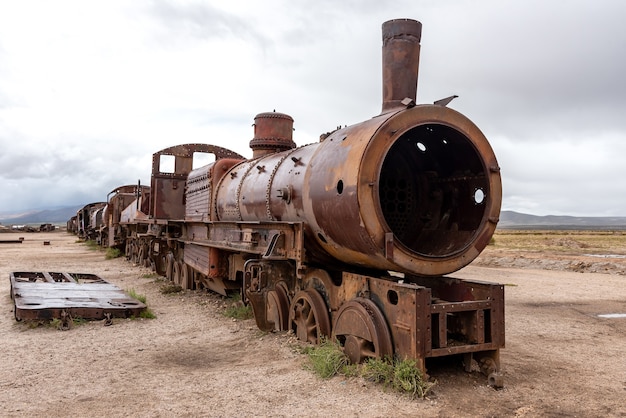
(467, 316)
(201, 184)
(434, 317)
(401, 50)
(168, 188)
(198, 258)
(124, 205)
(49, 295)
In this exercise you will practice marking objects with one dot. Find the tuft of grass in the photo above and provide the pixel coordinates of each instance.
(55, 323)
(150, 275)
(408, 378)
(238, 312)
(42, 323)
(147, 314)
(92, 245)
(112, 253)
(79, 321)
(135, 295)
(237, 309)
(327, 359)
(378, 371)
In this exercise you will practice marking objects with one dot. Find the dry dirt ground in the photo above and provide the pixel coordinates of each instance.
(561, 358)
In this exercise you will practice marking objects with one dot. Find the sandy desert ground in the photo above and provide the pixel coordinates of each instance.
(562, 359)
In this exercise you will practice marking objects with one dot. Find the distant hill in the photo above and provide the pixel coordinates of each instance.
(36, 217)
(515, 220)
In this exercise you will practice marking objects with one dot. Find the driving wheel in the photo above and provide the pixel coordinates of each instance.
(277, 307)
(186, 276)
(177, 273)
(362, 330)
(169, 266)
(308, 316)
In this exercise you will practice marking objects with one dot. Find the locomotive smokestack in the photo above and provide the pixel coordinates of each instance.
(401, 54)
(273, 132)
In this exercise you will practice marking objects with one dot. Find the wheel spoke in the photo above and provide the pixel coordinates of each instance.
(308, 316)
(368, 352)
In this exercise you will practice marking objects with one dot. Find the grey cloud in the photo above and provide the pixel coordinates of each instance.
(201, 20)
(541, 79)
(538, 67)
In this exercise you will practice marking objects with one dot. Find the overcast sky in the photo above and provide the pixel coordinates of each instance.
(90, 89)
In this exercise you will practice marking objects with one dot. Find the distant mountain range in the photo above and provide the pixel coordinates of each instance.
(36, 217)
(508, 220)
(515, 220)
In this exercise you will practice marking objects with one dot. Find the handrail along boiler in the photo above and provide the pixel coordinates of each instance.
(350, 237)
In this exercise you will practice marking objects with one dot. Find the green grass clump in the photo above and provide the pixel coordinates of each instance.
(378, 371)
(58, 323)
(92, 245)
(147, 314)
(408, 378)
(239, 312)
(237, 309)
(150, 275)
(135, 295)
(55, 323)
(112, 253)
(79, 321)
(327, 359)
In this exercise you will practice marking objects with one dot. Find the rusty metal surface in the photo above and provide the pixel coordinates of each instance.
(201, 184)
(168, 188)
(416, 191)
(273, 132)
(427, 317)
(89, 220)
(401, 51)
(49, 295)
(119, 200)
(72, 224)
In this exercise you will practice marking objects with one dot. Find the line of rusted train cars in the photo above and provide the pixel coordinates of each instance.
(349, 238)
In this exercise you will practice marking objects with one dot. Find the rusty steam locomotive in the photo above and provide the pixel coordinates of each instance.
(349, 238)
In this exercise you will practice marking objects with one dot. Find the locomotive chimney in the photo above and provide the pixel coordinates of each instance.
(401, 54)
(273, 132)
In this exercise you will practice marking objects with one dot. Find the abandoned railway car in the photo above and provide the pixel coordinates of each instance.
(350, 237)
(87, 221)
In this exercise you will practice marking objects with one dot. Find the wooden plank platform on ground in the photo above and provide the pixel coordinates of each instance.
(49, 295)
